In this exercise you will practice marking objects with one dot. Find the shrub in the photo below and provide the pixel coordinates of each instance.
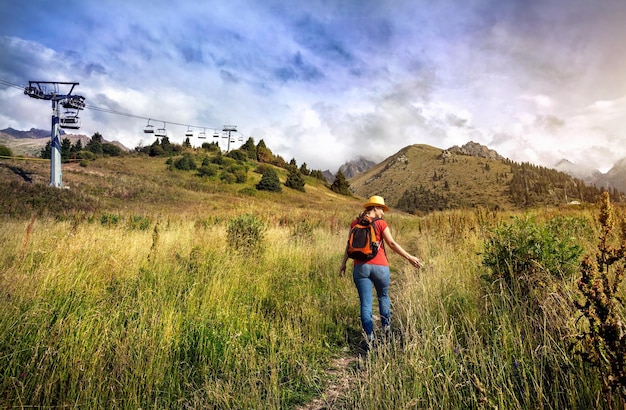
(185, 163)
(525, 246)
(603, 341)
(209, 170)
(109, 219)
(246, 234)
(248, 191)
(139, 222)
(238, 155)
(531, 259)
(227, 177)
(269, 181)
(88, 155)
(5, 151)
(241, 176)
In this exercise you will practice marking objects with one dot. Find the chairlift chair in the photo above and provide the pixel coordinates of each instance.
(202, 134)
(189, 133)
(216, 134)
(161, 132)
(149, 128)
(70, 121)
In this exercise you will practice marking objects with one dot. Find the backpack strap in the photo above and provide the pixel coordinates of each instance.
(373, 222)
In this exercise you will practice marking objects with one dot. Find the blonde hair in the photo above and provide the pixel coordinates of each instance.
(366, 210)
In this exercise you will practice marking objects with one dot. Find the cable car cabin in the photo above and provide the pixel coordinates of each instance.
(72, 122)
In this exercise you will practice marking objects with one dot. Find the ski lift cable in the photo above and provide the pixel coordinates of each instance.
(125, 114)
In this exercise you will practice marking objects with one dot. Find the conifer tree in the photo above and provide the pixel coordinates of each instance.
(95, 144)
(295, 180)
(340, 185)
(269, 181)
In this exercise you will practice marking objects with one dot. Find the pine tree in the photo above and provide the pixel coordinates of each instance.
(340, 185)
(95, 144)
(269, 181)
(46, 152)
(295, 180)
(249, 148)
(66, 146)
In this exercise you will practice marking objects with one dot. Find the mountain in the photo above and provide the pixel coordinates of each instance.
(576, 170)
(421, 178)
(30, 143)
(34, 133)
(356, 166)
(329, 176)
(614, 178)
(475, 149)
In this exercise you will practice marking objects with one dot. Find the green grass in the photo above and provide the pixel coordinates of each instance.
(140, 302)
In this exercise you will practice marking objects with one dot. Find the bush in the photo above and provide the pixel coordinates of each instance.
(5, 151)
(246, 234)
(227, 177)
(269, 181)
(109, 219)
(241, 176)
(238, 155)
(602, 340)
(88, 155)
(209, 170)
(526, 246)
(531, 259)
(247, 191)
(185, 163)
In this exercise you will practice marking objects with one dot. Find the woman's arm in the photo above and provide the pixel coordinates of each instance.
(395, 246)
(342, 269)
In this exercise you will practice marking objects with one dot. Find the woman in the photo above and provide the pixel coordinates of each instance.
(375, 272)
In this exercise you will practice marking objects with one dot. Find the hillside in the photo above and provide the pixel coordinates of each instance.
(421, 178)
(137, 184)
(461, 180)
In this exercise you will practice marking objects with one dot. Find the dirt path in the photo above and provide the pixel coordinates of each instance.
(340, 375)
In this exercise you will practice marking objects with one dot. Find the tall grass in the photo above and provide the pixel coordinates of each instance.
(103, 315)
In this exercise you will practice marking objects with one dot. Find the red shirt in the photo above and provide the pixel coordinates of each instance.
(381, 257)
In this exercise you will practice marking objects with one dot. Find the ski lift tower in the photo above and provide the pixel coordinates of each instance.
(49, 90)
(229, 129)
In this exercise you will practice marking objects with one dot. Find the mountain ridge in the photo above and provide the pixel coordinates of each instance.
(420, 178)
(30, 143)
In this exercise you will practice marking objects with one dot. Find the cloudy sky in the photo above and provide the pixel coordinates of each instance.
(326, 81)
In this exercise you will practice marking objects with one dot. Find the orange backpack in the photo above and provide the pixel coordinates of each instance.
(362, 244)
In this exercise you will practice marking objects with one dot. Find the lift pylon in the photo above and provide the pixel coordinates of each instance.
(49, 90)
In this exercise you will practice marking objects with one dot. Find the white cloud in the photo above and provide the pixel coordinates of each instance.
(325, 82)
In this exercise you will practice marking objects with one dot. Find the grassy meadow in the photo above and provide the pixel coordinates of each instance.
(151, 307)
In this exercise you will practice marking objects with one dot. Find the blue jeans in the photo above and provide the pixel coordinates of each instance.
(365, 276)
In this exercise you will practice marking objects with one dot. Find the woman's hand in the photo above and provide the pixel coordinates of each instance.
(342, 270)
(414, 260)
